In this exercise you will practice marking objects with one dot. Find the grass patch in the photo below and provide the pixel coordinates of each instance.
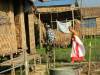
(63, 54)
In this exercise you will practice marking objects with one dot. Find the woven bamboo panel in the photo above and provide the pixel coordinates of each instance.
(98, 26)
(91, 12)
(88, 31)
(18, 32)
(7, 37)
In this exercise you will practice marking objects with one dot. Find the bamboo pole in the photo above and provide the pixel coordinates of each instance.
(51, 20)
(72, 8)
(54, 57)
(13, 66)
(39, 30)
(89, 69)
(26, 63)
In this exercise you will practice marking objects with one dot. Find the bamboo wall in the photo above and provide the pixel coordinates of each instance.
(25, 30)
(90, 12)
(8, 41)
(98, 26)
(93, 12)
(88, 31)
(92, 30)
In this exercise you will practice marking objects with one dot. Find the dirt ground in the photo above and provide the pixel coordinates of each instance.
(80, 69)
(84, 69)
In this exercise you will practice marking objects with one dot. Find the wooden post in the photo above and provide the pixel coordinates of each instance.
(31, 33)
(13, 66)
(54, 57)
(51, 20)
(26, 63)
(22, 25)
(72, 8)
(23, 33)
(0, 4)
(40, 30)
(89, 70)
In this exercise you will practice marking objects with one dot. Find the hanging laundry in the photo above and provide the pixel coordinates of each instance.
(63, 27)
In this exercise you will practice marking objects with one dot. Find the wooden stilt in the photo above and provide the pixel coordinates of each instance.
(26, 63)
(13, 66)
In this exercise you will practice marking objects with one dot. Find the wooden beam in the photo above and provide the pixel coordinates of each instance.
(18, 60)
(31, 32)
(55, 9)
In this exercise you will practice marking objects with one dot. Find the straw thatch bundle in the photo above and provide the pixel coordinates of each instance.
(61, 40)
(7, 37)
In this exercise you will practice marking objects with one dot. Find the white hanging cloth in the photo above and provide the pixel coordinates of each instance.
(63, 27)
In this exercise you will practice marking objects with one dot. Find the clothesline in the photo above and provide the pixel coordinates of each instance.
(62, 20)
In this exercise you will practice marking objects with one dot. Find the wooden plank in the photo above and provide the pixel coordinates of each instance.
(17, 60)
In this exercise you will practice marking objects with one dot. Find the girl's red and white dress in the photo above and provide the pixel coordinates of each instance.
(78, 50)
